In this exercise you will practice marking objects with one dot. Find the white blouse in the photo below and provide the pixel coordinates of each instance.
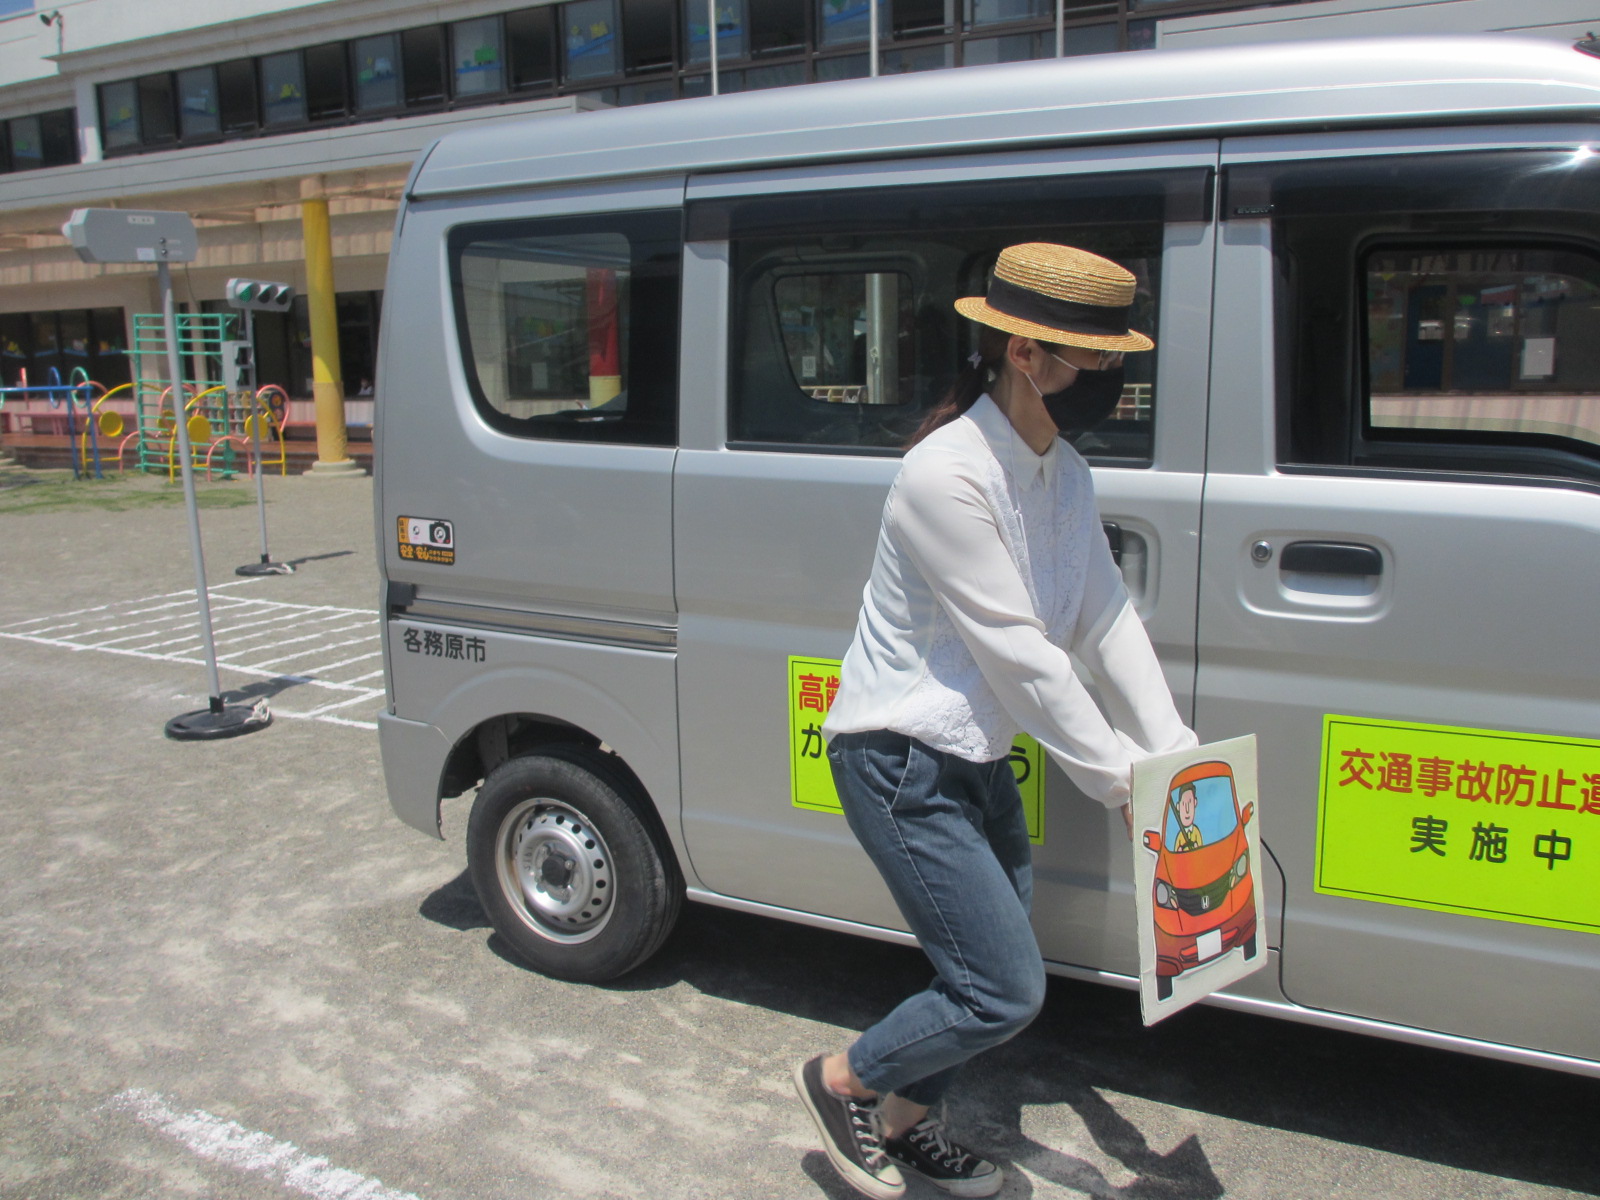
(991, 568)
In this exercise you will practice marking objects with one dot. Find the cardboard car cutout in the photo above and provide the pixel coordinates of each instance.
(1196, 850)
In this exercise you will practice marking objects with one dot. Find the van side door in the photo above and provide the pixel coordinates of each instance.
(1400, 557)
(832, 289)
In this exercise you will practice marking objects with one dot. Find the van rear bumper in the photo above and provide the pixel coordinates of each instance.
(414, 755)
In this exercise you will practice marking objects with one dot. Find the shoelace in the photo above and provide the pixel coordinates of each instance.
(928, 1135)
(866, 1122)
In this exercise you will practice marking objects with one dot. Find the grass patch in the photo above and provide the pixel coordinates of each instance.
(24, 490)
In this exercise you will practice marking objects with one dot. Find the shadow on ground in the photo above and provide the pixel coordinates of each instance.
(1419, 1103)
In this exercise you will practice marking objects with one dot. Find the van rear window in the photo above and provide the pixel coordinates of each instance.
(554, 316)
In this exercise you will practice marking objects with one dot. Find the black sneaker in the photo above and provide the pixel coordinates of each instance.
(852, 1134)
(926, 1150)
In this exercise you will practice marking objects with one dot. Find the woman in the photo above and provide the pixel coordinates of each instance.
(991, 566)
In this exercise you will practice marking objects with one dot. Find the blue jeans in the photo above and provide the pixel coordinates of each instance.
(950, 840)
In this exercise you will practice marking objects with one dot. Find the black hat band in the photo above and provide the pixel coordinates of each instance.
(1028, 305)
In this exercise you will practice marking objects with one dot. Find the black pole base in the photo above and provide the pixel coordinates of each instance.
(219, 721)
(265, 567)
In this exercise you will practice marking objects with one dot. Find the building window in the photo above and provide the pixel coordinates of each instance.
(921, 58)
(236, 95)
(1004, 12)
(119, 115)
(199, 111)
(376, 70)
(840, 22)
(1014, 47)
(327, 98)
(283, 90)
(27, 143)
(476, 61)
(58, 131)
(530, 49)
(913, 18)
(422, 65)
(589, 37)
(35, 343)
(848, 66)
(157, 116)
(697, 30)
(647, 36)
(1089, 39)
(776, 27)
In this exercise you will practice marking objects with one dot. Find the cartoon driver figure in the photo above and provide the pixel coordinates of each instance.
(1189, 837)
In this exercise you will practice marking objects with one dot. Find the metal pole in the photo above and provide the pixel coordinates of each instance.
(255, 427)
(1061, 30)
(711, 8)
(174, 370)
(872, 36)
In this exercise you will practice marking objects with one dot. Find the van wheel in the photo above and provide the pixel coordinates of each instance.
(1163, 987)
(568, 865)
(1250, 946)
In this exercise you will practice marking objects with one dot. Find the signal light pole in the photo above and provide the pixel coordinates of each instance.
(251, 296)
(101, 235)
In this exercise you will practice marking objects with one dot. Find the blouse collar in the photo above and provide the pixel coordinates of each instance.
(1014, 454)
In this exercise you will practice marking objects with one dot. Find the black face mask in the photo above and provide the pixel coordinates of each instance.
(1090, 399)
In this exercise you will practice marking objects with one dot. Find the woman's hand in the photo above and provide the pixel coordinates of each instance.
(1127, 818)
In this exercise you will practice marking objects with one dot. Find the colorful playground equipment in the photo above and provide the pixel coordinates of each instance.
(41, 402)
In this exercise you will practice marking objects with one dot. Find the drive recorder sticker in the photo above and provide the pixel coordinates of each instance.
(429, 540)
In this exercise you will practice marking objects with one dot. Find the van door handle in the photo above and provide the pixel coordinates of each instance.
(1331, 558)
(1114, 537)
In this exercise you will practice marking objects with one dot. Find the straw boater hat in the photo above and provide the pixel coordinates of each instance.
(1059, 294)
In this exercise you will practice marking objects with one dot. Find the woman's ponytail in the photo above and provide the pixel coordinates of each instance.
(982, 368)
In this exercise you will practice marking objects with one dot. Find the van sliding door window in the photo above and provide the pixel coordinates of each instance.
(844, 327)
(569, 326)
(1483, 343)
(1439, 311)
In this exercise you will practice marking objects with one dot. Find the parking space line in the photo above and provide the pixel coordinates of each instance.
(148, 628)
(251, 1151)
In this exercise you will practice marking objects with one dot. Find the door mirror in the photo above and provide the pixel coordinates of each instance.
(1152, 840)
(1249, 811)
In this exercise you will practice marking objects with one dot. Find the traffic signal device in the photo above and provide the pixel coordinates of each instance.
(259, 294)
(236, 365)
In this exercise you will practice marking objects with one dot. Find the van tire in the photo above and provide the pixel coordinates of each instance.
(571, 865)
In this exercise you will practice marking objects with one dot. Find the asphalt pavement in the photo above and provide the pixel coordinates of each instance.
(227, 971)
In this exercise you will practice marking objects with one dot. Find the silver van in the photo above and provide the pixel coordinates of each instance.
(646, 375)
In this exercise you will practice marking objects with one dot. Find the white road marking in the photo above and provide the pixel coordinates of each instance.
(232, 1145)
(246, 629)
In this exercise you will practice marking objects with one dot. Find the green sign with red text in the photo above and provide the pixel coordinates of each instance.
(812, 684)
(1474, 821)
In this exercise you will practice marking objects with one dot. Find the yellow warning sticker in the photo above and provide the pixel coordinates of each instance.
(812, 684)
(1475, 821)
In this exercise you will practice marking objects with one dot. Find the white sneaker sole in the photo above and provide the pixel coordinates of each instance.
(984, 1185)
(866, 1184)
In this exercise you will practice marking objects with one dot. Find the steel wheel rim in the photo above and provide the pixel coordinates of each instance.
(556, 870)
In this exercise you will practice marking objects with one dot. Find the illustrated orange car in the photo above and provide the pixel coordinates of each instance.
(1204, 900)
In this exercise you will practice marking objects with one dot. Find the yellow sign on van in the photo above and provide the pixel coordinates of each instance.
(1474, 821)
(812, 684)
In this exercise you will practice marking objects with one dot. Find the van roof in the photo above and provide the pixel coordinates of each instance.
(1151, 95)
